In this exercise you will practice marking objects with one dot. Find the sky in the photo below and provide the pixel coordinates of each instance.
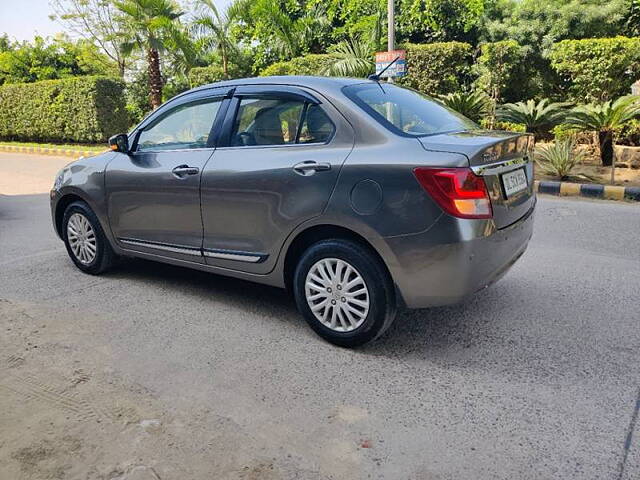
(24, 19)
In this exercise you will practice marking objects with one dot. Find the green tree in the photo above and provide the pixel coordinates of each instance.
(46, 59)
(95, 21)
(215, 30)
(280, 29)
(152, 26)
(443, 21)
(604, 119)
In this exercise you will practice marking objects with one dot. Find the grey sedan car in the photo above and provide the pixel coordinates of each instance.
(360, 197)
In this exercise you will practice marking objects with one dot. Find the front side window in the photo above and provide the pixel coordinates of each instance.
(279, 121)
(186, 127)
(406, 111)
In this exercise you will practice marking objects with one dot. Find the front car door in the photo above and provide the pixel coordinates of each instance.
(276, 166)
(153, 193)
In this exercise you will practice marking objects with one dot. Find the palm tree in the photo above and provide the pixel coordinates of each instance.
(604, 118)
(216, 30)
(152, 27)
(536, 117)
(289, 36)
(473, 105)
(353, 57)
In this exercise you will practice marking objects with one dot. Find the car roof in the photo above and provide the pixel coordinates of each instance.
(322, 84)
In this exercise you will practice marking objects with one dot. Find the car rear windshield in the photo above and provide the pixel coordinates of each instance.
(406, 111)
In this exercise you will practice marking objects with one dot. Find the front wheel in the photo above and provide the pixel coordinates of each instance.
(344, 292)
(85, 241)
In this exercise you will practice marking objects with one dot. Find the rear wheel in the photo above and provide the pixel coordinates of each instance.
(85, 241)
(344, 292)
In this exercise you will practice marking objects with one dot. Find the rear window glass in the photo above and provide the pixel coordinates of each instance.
(406, 111)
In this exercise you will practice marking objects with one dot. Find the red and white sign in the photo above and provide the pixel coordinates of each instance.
(399, 67)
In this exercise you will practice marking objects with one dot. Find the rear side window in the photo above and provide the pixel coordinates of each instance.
(185, 127)
(406, 111)
(279, 121)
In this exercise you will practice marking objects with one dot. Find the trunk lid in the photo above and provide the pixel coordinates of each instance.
(496, 156)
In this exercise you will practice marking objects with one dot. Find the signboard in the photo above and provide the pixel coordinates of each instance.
(399, 67)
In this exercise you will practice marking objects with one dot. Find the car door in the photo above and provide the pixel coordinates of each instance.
(153, 193)
(275, 168)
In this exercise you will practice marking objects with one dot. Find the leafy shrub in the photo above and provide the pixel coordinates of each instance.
(211, 74)
(559, 158)
(78, 109)
(597, 68)
(473, 105)
(537, 117)
(312, 64)
(487, 122)
(438, 68)
(629, 134)
(501, 70)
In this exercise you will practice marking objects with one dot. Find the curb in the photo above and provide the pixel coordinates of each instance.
(64, 152)
(607, 192)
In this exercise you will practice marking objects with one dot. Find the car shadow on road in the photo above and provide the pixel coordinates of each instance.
(418, 330)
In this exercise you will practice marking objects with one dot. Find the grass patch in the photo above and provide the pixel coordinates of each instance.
(99, 147)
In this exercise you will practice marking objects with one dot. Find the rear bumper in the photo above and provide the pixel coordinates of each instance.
(455, 258)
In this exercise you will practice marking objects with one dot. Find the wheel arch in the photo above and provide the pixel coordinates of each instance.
(62, 205)
(316, 233)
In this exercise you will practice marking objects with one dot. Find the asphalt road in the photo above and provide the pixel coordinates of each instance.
(153, 371)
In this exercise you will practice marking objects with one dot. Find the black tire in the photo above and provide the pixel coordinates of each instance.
(381, 292)
(105, 257)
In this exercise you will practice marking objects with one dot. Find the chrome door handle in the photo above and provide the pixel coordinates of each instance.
(309, 167)
(184, 170)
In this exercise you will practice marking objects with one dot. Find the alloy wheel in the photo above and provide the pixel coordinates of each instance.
(337, 294)
(82, 238)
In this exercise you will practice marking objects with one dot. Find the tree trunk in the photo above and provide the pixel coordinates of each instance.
(605, 141)
(155, 78)
(225, 66)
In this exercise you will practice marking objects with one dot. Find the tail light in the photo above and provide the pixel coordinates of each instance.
(458, 191)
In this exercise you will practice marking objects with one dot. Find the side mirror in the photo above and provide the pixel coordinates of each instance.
(119, 143)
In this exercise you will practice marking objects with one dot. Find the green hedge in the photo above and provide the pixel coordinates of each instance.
(312, 64)
(78, 109)
(597, 68)
(438, 68)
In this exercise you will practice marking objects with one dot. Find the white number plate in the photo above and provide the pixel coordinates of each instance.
(514, 182)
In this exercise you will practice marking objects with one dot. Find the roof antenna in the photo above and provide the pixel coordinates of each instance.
(376, 76)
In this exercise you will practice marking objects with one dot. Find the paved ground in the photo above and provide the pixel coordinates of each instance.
(155, 372)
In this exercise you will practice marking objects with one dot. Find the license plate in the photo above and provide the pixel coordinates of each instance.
(514, 182)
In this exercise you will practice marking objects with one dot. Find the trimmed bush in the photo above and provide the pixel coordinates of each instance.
(211, 74)
(438, 68)
(312, 64)
(597, 68)
(78, 109)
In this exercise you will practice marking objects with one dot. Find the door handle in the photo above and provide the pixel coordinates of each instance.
(309, 167)
(184, 170)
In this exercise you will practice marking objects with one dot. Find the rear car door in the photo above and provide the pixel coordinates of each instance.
(153, 193)
(280, 158)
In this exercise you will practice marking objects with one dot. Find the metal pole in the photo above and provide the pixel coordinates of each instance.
(391, 35)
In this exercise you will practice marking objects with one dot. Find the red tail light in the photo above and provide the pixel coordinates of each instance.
(458, 191)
